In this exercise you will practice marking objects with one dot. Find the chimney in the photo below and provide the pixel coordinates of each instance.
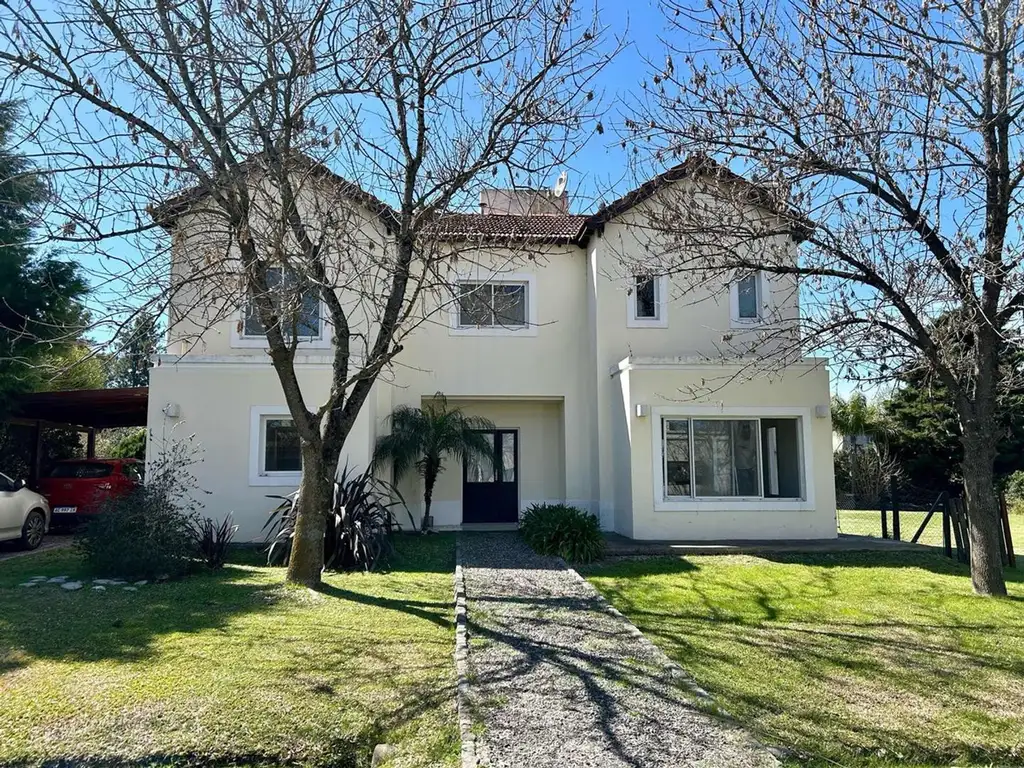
(523, 202)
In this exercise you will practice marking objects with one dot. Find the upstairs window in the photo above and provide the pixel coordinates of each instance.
(748, 296)
(647, 303)
(493, 305)
(747, 302)
(646, 298)
(299, 307)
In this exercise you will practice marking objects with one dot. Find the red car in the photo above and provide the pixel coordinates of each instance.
(77, 487)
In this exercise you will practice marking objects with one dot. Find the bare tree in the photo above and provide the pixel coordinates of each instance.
(250, 131)
(886, 138)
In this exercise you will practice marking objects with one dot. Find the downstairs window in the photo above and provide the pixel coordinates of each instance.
(731, 458)
(281, 449)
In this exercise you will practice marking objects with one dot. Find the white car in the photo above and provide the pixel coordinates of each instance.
(24, 514)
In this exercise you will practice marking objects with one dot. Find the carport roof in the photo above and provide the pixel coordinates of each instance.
(96, 408)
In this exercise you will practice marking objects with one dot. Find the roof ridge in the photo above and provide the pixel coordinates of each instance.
(167, 212)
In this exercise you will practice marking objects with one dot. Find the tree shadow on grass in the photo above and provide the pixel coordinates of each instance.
(424, 681)
(440, 613)
(852, 691)
(374, 684)
(345, 753)
(47, 622)
(928, 559)
(925, 558)
(858, 677)
(422, 553)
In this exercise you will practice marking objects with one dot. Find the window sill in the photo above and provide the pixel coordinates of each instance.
(260, 342)
(525, 330)
(740, 323)
(644, 322)
(735, 505)
(280, 480)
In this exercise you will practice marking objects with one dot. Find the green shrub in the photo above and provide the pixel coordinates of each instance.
(359, 523)
(563, 531)
(129, 445)
(212, 540)
(140, 535)
(1013, 487)
(149, 532)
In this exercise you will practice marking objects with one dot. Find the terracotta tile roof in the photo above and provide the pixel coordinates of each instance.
(536, 228)
(166, 213)
(695, 165)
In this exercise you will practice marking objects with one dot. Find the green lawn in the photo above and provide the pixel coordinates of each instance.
(230, 668)
(858, 659)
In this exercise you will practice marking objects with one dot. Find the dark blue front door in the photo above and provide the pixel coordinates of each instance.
(490, 486)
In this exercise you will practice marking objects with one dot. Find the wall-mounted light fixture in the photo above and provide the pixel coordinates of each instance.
(642, 410)
(821, 411)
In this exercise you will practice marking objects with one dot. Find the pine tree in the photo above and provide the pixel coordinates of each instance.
(40, 310)
(130, 367)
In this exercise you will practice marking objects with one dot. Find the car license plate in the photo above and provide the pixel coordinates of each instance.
(64, 510)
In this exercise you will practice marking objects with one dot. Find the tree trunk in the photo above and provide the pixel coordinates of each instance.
(429, 479)
(982, 511)
(307, 556)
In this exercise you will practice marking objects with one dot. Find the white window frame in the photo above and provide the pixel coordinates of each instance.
(500, 278)
(241, 340)
(764, 297)
(660, 302)
(258, 417)
(731, 503)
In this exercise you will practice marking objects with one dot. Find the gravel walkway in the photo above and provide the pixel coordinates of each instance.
(558, 681)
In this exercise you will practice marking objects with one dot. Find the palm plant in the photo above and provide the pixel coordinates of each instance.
(422, 438)
(868, 471)
(857, 416)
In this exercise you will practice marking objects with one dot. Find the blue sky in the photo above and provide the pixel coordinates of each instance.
(601, 171)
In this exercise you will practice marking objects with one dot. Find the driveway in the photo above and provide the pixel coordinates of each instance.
(10, 549)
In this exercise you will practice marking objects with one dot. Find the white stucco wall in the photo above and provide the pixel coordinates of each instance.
(662, 388)
(580, 439)
(214, 402)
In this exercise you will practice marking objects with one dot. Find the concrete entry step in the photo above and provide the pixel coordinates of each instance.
(620, 546)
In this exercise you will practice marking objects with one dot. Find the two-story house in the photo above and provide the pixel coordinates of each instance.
(608, 389)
